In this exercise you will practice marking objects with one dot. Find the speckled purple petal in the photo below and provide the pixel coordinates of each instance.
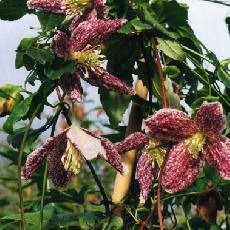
(91, 146)
(36, 158)
(170, 125)
(93, 33)
(180, 169)
(78, 18)
(133, 141)
(102, 11)
(59, 176)
(60, 44)
(71, 84)
(101, 78)
(218, 155)
(210, 118)
(145, 176)
(52, 6)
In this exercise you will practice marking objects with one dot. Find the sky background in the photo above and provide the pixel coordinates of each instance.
(206, 19)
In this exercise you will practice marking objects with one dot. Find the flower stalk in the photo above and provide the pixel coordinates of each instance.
(21, 197)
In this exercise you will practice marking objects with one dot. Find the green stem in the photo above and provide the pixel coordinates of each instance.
(43, 195)
(45, 177)
(21, 198)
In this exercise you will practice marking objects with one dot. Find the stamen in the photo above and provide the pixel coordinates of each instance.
(71, 159)
(77, 6)
(156, 152)
(195, 144)
(88, 57)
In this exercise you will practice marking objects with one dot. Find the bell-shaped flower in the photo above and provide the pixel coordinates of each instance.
(196, 140)
(70, 7)
(66, 151)
(83, 46)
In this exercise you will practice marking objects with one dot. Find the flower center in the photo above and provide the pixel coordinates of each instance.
(76, 6)
(71, 159)
(156, 152)
(196, 143)
(88, 57)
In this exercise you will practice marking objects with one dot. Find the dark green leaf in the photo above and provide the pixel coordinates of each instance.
(40, 55)
(19, 111)
(12, 9)
(119, 104)
(50, 21)
(67, 67)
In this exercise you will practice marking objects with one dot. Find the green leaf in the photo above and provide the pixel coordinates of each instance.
(19, 111)
(88, 219)
(12, 9)
(66, 67)
(223, 72)
(171, 48)
(114, 105)
(40, 55)
(228, 124)
(171, 71)
(135, 25)
(50, 21)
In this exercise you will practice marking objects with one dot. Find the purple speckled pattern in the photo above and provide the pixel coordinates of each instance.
(218, 155)
(93, 33)
(180, 169)
(112, 155)
(99, 77)
(36, 158)
(210, 119)
(133, 141)
(71, 84)
(52, 6)
(145, 175)
(78, 18)
(170, 125)
(102, 11)
(59, 176)
(60, 44)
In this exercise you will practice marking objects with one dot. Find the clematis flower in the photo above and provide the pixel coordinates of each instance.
(83, 47)
(66, 151)
(196, 140)
(70, 7)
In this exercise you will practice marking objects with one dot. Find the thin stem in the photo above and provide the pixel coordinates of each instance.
(21, 198)
(43, 195)
(45, 177)
(98, 182)
(102, 191)
(218, 2)
(161, 75)
(160, 219)
(145, 223)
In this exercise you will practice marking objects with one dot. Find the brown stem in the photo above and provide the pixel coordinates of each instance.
(160, 219)
(145, 223)
(161, 75)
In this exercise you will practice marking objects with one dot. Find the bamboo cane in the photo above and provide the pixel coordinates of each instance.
(123, 182)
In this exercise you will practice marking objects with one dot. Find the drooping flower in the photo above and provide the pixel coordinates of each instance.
(83, 47)
(196, 140)
(72, 7)
(148, 165)
(66, 151)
